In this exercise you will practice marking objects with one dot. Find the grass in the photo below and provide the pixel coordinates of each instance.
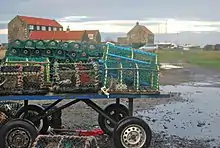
(198, 57)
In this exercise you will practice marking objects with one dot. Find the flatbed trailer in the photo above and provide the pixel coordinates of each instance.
(125, 129)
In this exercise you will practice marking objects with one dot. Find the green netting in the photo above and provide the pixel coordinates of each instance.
(40, 44)
(16, 44)
(129, 70)
(52, 44)
(29, 44)
(60, 51)
(128, 52)
(130, 76)
(64, 46)
(75, 46)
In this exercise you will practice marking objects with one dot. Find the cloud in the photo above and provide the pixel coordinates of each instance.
(72, 18)
(156, 25)
(3, 31)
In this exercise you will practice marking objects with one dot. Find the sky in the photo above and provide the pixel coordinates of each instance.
(188, 21)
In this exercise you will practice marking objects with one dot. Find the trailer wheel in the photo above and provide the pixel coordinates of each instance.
(132, 132)
(17, 133)
(42, 125)
(115, 111)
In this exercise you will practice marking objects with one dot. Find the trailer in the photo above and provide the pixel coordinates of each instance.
(78, 72)
(115, 119)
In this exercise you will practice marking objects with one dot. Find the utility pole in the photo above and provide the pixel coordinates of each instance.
(166, 28)
(158, 31)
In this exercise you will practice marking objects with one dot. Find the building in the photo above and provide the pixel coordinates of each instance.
(139, 34)
(25, 27)
(20, 27)
(94, 36)
(74, 36)
(122, 40)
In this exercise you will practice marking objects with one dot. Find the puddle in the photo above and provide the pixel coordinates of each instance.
(198, 117)
(169, 66)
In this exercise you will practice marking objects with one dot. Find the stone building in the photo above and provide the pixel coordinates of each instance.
(20, 27)
(25, 27)
(139, 34)
(94, 36)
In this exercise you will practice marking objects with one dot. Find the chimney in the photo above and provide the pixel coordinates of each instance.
(68, 28)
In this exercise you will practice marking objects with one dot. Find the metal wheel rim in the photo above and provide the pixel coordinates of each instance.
(133, 136)
(18, 138)
(40, 126)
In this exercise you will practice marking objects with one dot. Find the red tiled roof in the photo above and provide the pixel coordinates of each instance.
(40, 21)
(57, 35)
(92, 31)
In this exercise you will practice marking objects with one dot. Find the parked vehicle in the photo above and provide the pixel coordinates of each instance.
(149, 48)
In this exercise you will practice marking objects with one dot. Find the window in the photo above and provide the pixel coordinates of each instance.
(38, 27)
(49, 28)
(90, 36)
(61, 29)
(43, 28)
(31, 27)
(54, 29)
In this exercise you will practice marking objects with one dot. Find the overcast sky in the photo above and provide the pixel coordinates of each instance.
(118, 16)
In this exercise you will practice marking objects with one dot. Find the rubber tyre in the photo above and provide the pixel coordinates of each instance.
(108, 129)
(123, 124)
(27, 126)
(38, 110)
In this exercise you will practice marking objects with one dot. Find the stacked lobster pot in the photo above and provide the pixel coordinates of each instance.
(127, 70)
(70, 66)
(62, 52)
(24, 76)
(64, 141)
(76, 77)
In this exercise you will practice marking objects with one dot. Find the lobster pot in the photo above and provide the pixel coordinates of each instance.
(83, 53)
(64, 141)
(29, 47)
(32, 62)
(33, 79)
(76, 77)
(41, 49)
(10, 80)
(93, 50)
(14, 48)
(130, 77)
(128, 52)
(71, 56)
(16, 44)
